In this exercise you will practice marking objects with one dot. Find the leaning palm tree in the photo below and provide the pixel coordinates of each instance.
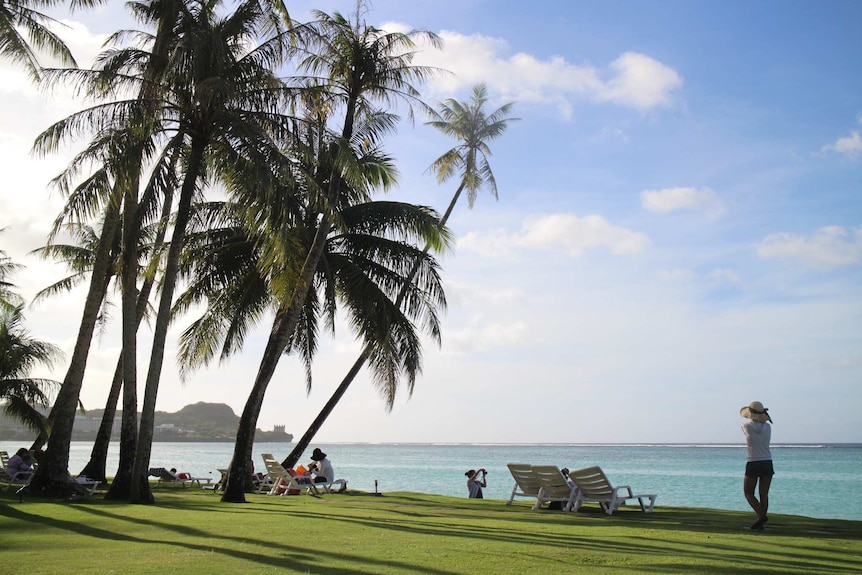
(474, 128)
(353, 66)
(364, 261)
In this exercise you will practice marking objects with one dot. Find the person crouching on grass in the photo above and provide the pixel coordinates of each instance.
(758, 466)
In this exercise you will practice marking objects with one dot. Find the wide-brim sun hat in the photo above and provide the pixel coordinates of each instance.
(317, 454)
(755, 412)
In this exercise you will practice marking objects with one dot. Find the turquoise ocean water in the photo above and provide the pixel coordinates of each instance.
(812, 480)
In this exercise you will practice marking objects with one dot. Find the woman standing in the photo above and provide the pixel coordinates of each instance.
(758, 466)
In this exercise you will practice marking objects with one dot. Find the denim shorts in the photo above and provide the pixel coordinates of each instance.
(759, 469)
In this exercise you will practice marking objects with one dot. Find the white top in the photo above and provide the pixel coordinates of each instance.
(324, 469)
(757, 437)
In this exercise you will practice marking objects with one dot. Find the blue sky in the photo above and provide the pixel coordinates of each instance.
(678, 230)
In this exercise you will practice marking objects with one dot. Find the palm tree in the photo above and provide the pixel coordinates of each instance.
(468, 123)
(19, 354)
(23, 28)
(226, 99)
(152, 74)
(351, 66)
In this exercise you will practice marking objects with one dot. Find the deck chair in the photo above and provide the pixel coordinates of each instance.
(19, 479)
(282, 482)
(184, 479)
(554, 486)
(329, 486)
(525, 481)
(593, 486)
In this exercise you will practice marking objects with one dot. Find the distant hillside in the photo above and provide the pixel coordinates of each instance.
(201, 417)
(196, 422)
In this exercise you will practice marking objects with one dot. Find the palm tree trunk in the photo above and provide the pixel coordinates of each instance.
(318, 422)
(294, 456)
(51, 477)
(140, 488)
(279, 336)
(241, 466)
(95, 468)
(131, 232)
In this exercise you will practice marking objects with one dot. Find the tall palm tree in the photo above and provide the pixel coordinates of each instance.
(352, 66)
(473, 127)
(148, 72)
(23, 28)
(469, 124)
(226, 98)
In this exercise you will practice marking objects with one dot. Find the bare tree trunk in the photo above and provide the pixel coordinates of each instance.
(140, 487)
(95, 468)
(51, 477)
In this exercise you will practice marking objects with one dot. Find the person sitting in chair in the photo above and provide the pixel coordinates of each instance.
(20, 462)
(321, 467)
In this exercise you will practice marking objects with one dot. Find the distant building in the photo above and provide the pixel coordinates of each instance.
(279, 429)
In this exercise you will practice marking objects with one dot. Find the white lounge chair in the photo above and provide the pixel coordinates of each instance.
(594, 486)
(554, 486)
(281, 481)
(183, 478)
(18, 479)
(526, 482)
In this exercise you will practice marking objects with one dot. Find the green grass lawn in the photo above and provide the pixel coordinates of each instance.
(189, 531)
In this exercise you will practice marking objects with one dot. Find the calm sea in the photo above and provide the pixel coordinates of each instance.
(812, 480)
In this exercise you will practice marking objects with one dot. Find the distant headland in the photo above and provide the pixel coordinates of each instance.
(210, 422)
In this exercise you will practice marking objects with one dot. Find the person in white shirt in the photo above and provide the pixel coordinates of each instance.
(758, 466)
(321, 467)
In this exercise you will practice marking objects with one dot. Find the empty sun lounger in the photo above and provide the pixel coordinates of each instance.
(594, 486)
(526, 482)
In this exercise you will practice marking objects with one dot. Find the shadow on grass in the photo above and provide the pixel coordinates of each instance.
(294, 557)
(686, 538)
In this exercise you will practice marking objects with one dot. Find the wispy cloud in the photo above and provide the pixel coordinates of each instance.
(682, 199)
(632, 80)
(827, 248)
(567, 232)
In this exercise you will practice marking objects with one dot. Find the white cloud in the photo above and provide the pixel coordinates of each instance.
(568, 232)
(827, 248)
(849, 145)
(680, 199)
(633, 80)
